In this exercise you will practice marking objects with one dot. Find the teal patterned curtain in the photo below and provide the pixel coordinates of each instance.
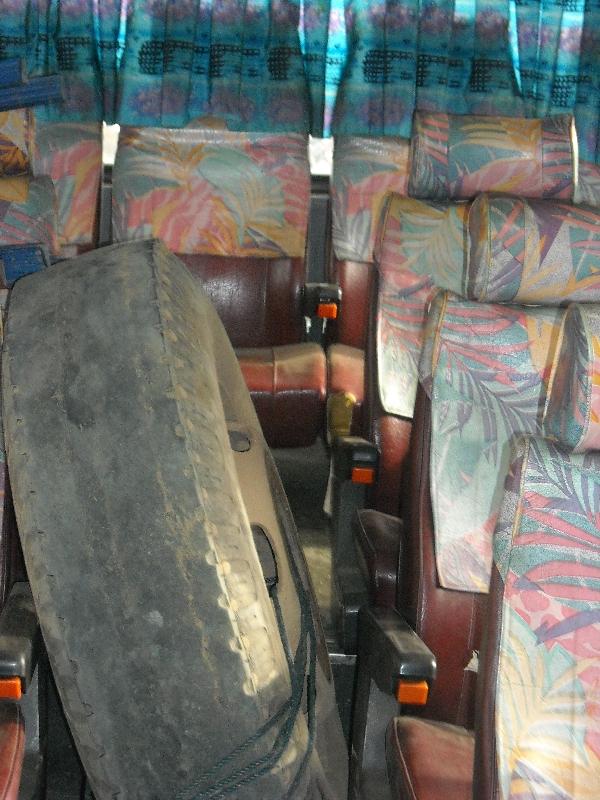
(259, 65)
(514, 57)
(277, 65)
(78, 39)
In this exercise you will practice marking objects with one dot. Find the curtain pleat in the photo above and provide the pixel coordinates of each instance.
(513, 57)
(355, 66)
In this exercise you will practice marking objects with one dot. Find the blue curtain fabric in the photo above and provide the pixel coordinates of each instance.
(258, 65)
(513, 57)
(292, 65)
(78, 39)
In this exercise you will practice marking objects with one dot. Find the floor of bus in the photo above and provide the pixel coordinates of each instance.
(304, 475)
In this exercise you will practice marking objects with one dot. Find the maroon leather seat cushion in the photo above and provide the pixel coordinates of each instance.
(346, 373)
(12, 749)
(429, 760)
(288, 387)
(259, 300)
(378, 539)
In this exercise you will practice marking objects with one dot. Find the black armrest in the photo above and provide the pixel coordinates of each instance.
(20, 638)
(322, 300)
(354, 459)
(391, 650)
(390, 654)
(353, 470)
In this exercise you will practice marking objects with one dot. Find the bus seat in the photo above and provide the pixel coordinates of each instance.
(71, 154)
(234, 207)
(28, 212)
(443, 148)
(485, 371)
(364, 171)
(538, 717)
(458, 157)
(421, 246)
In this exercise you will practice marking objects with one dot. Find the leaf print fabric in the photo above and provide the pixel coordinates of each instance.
(533, 251)
(28, 211)
(547, 549)
(588, 186)
(486, 368)
(16, 135)
(420, 248)
(573, 409)
(364, 171)
(71, 154)
(212, 191)
(461, 156)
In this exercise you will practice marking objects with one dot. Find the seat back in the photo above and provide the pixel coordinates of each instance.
(364, 171)
(486, 369)
(539, 721)
(71, 154)
(421, 245)
(424, 243)
(235, 207)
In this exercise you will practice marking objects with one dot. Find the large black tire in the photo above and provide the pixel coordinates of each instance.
(119, 386)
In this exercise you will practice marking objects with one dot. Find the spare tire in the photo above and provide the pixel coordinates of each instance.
(180, 676)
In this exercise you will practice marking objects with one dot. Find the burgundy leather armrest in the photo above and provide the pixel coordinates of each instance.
(12, 749)
(378, 539)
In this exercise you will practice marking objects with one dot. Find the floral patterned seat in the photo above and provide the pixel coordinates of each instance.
(234, 207)
(27, 204)
(28, 211)
(71, 154)
(364, 171)
(538, 723)
(538, 727)
(460, 156)
(423, 243)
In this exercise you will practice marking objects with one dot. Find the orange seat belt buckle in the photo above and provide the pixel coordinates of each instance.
(10, 689)
(327, 310)
(412, 693)
(363, 475)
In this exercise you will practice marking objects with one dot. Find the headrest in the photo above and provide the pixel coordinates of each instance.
(364, 171)
(572, 414)
(462, 156)
(424, 237)
(486, 369)
(420, 248)
(29, 212)
(210, 191)
(71, 154)
(533, 251)
(16, 138)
